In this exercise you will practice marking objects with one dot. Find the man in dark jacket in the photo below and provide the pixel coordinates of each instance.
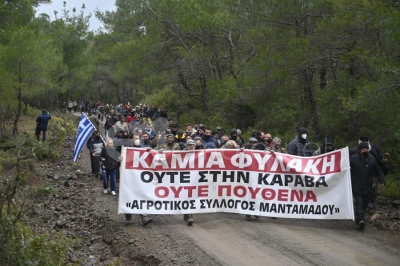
(208, 140)
(362, 164)
(95, 146)
(374, 151)
(300, 145)
(41, 124)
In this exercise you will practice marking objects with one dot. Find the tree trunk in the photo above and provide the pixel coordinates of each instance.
(204, 93)
(308, 86)
(17, 114)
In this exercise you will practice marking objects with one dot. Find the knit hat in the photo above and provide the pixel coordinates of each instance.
(197, 138)
(234, 131)
(363, 145)
(302, 130)
(253, 140)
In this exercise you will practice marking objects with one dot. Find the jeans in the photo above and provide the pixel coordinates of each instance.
(362, 201)
(110, 174)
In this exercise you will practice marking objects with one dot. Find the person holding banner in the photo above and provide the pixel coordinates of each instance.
(190, 146)
(362, 165)
(110, 158)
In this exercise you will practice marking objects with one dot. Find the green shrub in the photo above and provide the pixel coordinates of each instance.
(24, 247)
(392, 188)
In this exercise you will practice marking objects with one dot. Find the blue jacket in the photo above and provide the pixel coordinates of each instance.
(210, 144)
(42, 121)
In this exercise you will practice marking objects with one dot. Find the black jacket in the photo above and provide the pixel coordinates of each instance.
(111, 158)
(361, 173)
(300, 147)
(378, 155)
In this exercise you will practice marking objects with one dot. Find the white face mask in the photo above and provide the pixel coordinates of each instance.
(304, 136)
(137, 142)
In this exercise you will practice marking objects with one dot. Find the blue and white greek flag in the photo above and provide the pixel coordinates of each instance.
(85, 130)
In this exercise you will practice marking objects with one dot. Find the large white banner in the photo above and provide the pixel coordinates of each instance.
(235, 181)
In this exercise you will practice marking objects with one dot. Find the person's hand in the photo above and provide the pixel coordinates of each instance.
(93, 154)
(120, 158)
(382, 185)
(272, 151)
(148, 148)
(241, 149)
(103, 159)
(160, 150)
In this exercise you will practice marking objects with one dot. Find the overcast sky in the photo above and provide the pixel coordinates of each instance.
(90, 7)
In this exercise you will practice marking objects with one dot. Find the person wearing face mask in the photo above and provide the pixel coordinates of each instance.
(362, 167)
(136, 141)
(268, 140)
(208, 140)
(234, 137)
(326, 146)
(300, 145)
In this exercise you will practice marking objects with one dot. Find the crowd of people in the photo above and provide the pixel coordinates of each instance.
(148, 127)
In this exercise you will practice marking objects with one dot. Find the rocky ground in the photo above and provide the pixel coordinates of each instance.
(80, 210)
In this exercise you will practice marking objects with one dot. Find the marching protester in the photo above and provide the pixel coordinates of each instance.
(190, 146)
(95, 146)
(326, 146)
(300, 145)
(374, 151)
(276, 146)
(171, 144)
(110, 158)
(234, 137)
(380, 159)
(362, 166)
(42, 122)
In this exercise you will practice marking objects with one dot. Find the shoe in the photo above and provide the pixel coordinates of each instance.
(128, 217)
(113, 193)
(248, 217)
(361, 225)
(105, 191)
(190, 219)
(146, 220)
(256, 216)
(185, 217)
